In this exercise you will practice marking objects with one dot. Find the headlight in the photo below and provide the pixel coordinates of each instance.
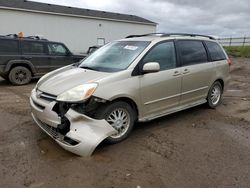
(79, 93)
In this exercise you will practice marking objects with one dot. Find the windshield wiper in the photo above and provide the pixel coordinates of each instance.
(76, 64)
(86, 67)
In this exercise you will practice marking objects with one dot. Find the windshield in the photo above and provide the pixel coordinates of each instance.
(114, 56)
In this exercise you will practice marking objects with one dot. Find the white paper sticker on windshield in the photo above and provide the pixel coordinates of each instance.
(128, 47)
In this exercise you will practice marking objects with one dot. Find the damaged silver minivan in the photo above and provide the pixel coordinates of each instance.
(139, 78)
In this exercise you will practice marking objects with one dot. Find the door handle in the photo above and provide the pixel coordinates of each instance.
(186, 71)
(176, 73)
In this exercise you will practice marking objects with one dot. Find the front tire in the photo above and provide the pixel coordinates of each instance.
(121, 116)
(20, 75)
(214, 95)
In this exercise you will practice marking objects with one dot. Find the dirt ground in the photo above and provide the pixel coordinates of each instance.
(199, 147)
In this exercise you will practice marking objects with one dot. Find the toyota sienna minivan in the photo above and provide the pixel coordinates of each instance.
(136, 79)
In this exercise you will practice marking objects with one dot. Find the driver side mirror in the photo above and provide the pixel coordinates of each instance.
(151, 67)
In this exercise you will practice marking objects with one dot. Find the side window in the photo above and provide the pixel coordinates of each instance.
(57, 49)
(164, 54)
(9, 47)
(32, 47)
(215, 51)
(192, 52)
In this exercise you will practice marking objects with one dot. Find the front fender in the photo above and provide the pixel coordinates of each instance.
(120, 85)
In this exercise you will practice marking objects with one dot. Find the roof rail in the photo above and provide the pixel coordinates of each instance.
(171, 34)
(144, 35)
(186, 34)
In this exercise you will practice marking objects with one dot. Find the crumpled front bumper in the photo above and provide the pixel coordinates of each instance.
(84, 135)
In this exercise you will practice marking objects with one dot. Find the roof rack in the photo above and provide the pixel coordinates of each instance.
(11, 35)
(36, 37)
(171, 34)
(29, 37)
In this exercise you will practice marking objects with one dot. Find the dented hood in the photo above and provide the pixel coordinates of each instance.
(63, 79)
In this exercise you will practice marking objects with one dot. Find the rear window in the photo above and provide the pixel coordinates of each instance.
(192, 52)
(215, 51)
(32, 47)
(8, 47)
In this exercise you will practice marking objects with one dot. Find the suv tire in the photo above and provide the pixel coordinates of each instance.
(214, 95)
(20, 75)
(122, 118)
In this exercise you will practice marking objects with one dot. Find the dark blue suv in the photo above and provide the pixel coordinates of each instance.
(21, 59)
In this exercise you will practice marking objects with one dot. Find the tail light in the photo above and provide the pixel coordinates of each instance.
(229, 61)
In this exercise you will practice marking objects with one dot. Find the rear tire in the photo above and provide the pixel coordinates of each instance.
(20, 75)
(121, 116)
(214, 95)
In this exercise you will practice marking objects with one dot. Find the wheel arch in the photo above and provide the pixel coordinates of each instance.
(221, 81)
(130, 101)
(15, 63)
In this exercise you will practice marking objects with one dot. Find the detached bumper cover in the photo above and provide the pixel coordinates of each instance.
(85, 132)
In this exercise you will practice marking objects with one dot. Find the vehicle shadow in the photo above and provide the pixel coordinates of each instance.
(141, 129)
(169, 119)
(3, 82)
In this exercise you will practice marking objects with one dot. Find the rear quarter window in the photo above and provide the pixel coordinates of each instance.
(215, 51)
(9, 47)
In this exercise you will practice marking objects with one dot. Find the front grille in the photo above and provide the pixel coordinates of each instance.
(51, 130)
(47, 97)
(38, 105)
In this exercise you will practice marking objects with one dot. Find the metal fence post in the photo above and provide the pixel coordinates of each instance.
(230, 41)
(244, 40)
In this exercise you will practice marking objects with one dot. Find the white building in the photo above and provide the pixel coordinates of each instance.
(77, 28)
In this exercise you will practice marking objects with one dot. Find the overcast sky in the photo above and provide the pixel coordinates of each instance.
(214, 17)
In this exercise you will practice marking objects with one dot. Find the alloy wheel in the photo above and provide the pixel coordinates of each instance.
(119, 119)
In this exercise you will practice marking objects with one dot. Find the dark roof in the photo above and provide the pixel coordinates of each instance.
(51, 8)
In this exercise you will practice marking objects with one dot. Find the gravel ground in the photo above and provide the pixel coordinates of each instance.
(199, 147)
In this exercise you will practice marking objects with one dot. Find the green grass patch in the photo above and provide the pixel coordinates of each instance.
(238, 51)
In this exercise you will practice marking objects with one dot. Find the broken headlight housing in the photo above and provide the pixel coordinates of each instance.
(78, 94)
